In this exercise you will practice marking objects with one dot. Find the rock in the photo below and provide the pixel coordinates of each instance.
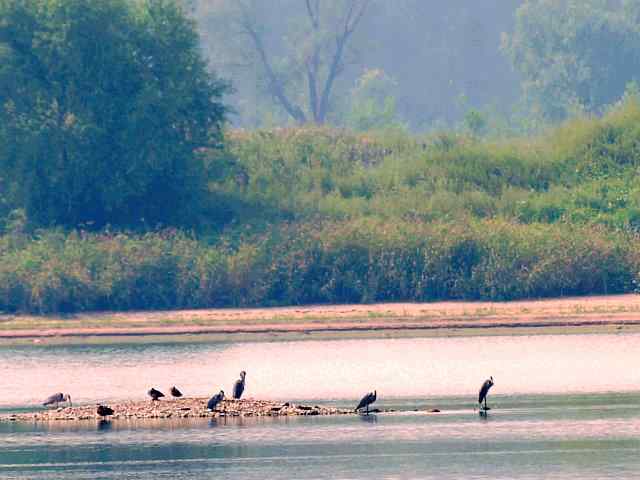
(186, 408)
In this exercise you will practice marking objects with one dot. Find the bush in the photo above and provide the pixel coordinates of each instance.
(362, 260)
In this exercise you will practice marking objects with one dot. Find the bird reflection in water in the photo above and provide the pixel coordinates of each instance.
(216, 422)
(368, 418)
(104, 425)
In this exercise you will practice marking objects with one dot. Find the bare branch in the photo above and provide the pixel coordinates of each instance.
(312, 62)
(347, 20)
(275, 84)
(352, 19)
(358, 16)
(314, 16)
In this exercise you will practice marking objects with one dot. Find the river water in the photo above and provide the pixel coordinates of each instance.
(564, 406)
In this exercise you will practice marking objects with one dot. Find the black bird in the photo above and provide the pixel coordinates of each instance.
(57, 398)
(175, 392)
(367, 400)
(155, 394)
(215, 400)
(104, 411)
(484, 390)
(238, 388)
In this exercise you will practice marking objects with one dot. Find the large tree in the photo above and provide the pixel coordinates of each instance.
(575, 54)
(103, 106)
(298, 66)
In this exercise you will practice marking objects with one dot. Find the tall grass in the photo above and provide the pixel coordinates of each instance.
(365, 260)
(321, 215)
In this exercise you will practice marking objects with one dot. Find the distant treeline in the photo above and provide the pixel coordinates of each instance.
(327, 216)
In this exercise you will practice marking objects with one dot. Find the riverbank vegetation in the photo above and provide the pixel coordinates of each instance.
(123, 186)
(320, 215)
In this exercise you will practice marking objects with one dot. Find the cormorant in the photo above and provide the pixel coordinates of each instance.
(155, 394)
(175, 392)
(104, 411)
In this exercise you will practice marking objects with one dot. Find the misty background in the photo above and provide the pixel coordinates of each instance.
(425, 65)
(437, 59)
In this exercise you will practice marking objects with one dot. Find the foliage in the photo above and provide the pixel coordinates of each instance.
(475, 123)
(326, 216)
(363, 260)
(373, 103)
(102, 107)
(574, 55)
(300, 173)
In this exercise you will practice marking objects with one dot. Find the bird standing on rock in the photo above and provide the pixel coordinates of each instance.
(104, 411)
(56, 398)
(484, 391)
(215, 400)
(155, 394)
(238, 388)
(175, 392)
(367, 400)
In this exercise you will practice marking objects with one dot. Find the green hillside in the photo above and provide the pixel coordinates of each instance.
(319, 215)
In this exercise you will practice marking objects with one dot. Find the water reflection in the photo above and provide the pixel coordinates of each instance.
(104, 425)
(398, 368)
(567, 437)
(371, 418)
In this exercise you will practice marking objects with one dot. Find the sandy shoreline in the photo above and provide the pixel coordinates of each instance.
(598, 313)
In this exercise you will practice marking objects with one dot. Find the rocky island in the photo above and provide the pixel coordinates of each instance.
(179, 408)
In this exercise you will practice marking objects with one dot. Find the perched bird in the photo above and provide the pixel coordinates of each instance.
(175, 392)
(238, 388)
(155, 394)
(484, 390)
(56, 398)
(215, 400)
(104, 411)
(367, 400)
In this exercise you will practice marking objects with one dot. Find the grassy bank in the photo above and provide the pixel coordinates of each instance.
(366, 260)
(322, 216)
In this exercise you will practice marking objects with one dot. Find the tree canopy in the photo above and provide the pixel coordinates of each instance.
(574, 54)
(103, 106)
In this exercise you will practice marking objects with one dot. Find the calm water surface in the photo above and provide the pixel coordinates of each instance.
(564, 407)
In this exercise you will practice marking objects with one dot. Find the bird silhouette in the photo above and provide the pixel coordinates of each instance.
(215, 400)
(175, 392)
(367, 400)
(155, 394)
(484, 391)
(104, 411)
(56, 398)
(238, 388)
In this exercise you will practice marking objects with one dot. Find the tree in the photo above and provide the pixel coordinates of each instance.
(299, 69)
(373, 102)
(475, 123)
(574, 54)
(103, 106)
